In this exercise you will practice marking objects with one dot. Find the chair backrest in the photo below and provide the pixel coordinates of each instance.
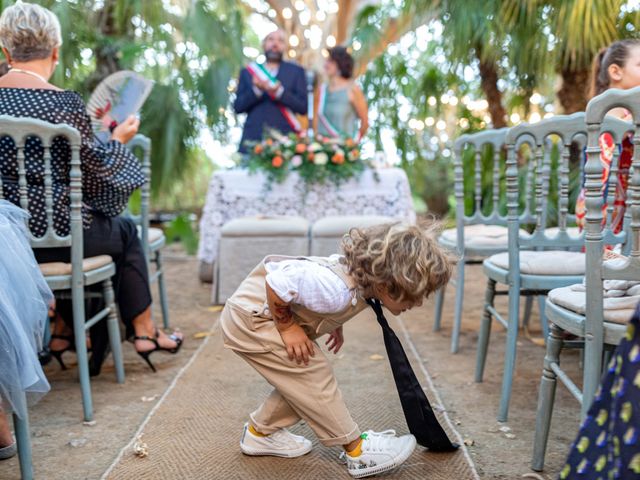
(19, 130)
(140, 145)
(567, 129)
(597, 270)
(481, 173)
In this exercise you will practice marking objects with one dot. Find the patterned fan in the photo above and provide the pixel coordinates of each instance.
(114, 99)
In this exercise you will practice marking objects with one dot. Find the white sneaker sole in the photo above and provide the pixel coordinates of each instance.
(385, 467)
(256, 452)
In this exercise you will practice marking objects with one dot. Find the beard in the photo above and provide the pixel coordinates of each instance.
(273, 56)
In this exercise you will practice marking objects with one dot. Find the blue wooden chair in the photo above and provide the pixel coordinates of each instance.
(70, 279)
(23, 441)
(153, 239)
(596, 328)
(481, 234)
(548, 264)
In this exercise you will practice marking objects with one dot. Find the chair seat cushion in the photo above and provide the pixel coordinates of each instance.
(616, 309)
(280, 226)
(551, 262)
(155, 234)
(337, 226)
(52, 269)
(480, 236)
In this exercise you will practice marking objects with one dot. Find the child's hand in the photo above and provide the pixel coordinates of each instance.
(298, 345)
(335, 341)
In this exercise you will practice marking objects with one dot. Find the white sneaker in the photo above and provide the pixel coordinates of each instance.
(282, 443)
(381, 452)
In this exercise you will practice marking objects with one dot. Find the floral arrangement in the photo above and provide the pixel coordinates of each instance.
(317, 160)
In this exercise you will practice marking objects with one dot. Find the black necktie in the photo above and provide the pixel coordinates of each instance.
(421, 420)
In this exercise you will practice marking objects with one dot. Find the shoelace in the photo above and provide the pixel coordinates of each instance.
(378, 441)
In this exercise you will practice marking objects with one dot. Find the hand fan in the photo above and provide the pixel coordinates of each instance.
(119, 95)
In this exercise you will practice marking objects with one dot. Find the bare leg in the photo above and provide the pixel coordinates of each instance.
(349, 447)
(6, 438)
(143, 326)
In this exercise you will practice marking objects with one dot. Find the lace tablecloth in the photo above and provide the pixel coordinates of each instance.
(236, 193)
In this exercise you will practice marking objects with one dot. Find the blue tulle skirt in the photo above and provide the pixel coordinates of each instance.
(24, 303)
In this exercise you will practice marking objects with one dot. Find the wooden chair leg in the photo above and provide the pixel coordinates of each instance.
(457, 315)
(23, 440)
(438, 309)
(485, 329)
(113, 329)
(546, 398)
(79, 329)
(164, 303)
(528, 308)
(544, 323)
(513, 324)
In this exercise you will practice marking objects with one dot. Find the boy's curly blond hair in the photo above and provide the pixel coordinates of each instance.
(406, 259)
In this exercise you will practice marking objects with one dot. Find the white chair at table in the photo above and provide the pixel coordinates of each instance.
(550, 264)
(153, 239)
(479, 235)
(597, 328)
(69, 279)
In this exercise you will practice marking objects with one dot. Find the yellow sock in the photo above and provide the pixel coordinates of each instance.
(356, 452)
(256, 432)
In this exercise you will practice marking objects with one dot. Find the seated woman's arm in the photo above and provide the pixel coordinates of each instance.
(110, 171)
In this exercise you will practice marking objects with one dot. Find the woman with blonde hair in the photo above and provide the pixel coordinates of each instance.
(274, 318)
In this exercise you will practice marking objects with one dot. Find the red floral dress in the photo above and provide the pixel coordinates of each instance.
(607, 148)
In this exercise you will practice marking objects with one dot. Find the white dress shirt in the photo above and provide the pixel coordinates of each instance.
(314, 286)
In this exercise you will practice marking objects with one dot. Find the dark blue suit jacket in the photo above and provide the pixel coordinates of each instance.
(263, 111)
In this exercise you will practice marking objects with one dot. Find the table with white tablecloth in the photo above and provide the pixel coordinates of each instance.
(238, 193)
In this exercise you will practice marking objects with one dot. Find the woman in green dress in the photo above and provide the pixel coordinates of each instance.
(341, 107)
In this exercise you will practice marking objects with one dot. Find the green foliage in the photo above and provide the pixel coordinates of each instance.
(180, 229)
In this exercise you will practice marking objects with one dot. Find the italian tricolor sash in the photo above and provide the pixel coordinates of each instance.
(334, 131)
(259, 71)
(328, 126)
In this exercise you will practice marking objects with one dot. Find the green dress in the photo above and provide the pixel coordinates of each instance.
(340, 114)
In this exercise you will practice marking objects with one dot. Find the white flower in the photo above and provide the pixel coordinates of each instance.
(315, 147)
(321, 158)
(296, 160)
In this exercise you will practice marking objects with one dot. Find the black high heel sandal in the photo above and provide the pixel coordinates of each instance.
(57, 354)
(154, 340)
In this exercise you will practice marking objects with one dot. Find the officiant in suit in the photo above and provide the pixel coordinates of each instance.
(271, 93)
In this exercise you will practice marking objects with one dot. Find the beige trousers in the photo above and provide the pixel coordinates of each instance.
(308, 392)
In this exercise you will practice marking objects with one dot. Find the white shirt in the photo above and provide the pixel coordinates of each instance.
(314, 286)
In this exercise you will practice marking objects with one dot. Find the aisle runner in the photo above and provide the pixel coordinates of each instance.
(194, 433)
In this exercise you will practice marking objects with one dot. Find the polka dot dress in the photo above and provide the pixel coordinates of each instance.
(110, 172)
(608, 444)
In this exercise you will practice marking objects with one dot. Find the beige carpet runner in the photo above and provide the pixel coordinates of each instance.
(195, 431)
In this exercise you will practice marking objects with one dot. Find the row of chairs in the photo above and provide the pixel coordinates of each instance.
(69, 280)
(519, 248)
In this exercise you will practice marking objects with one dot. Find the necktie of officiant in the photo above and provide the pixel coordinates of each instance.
(421, 420)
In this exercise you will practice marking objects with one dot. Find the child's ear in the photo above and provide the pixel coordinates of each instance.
(615, 72)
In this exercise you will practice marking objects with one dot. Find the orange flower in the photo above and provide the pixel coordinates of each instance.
(338, 158)
(258, 149)
(277, 161)
(355, 153)
(311, 156)
(349, 142)
(301, 148)
(269, 142)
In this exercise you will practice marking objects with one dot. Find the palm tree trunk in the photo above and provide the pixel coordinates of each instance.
(106, 54)
(573, 92)
(489, 84)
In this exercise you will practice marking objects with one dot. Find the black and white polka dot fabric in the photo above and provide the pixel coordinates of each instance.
(110, 172)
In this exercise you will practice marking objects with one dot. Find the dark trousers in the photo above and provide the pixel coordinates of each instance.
(118, 238)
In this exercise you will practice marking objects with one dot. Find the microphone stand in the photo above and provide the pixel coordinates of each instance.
(310, 81)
